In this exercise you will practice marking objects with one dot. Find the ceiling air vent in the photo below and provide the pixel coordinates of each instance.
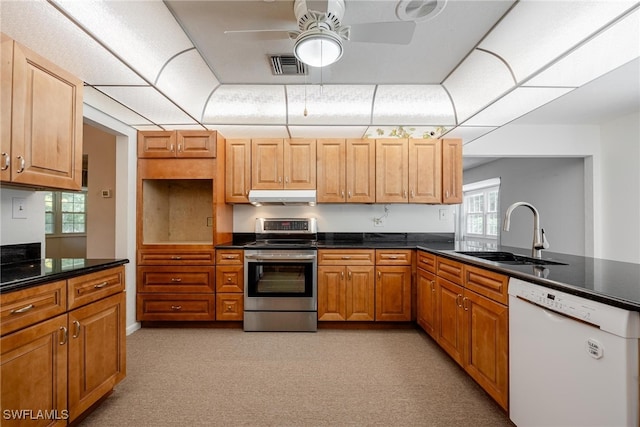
(287, 65)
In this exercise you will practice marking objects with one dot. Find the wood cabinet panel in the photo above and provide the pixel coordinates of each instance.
(488, 283)
(450, 270)
(91, 287)
(425, 171)
(230, 279)
(229, 307)
(229, 257)
(237, 170)
(427, 261)
(267, 164)
(176, 307)
(6, 100)
(300, 164)
(175, 144)
(361, 171)
(97, 351)
(426, 302)
(393, 293)
(346, 257)
(158, 143)
(452, 171)
(332, 295)
(392, 172)
(176, 279)
(46, 122)
(331, 171)
(34, 362)
(26, 307)
(360, 293)
(450, 326)
(393, 256)
(175, 257)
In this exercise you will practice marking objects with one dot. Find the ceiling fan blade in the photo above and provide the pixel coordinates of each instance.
(400, 32)
(260, 34)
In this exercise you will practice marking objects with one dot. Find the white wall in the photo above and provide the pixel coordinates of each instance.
(555, 186)
(353, 218)
(22, 230)
(619, 187)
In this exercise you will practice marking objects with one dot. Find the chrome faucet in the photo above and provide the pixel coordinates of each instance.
(539, 240)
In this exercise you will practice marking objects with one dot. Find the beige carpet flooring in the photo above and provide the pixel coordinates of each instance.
(227, 377)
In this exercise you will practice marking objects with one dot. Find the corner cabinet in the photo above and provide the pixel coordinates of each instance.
(41, 121)
(181, 216)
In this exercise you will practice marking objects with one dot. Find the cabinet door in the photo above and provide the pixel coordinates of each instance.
(156, 144)
(451, 171)
(360, 293)
(6, 76)
(392, 172)
(196, 143)
(331, 293)
(393, 293)
(449, 316)
(230, 279)
(331, 171)
(361, 171)
(46, 145)
(238, 170)
(34, 361)
(425, 171)
(487, 347)
(426, 312)
(300, 164)
(97, 351)
(229, 307)
(267, 164)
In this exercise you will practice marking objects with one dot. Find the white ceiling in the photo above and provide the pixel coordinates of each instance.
(476, 66)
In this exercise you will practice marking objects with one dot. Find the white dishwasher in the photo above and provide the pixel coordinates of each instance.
(572, 361)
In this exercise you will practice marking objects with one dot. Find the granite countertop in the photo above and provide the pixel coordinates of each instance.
(24, 274)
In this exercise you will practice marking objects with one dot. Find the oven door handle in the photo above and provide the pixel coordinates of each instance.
(280, 257)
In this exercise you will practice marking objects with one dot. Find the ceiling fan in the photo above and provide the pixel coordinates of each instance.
(318, 41)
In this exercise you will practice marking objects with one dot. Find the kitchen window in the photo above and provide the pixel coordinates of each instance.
(65, 212)
(480, 206)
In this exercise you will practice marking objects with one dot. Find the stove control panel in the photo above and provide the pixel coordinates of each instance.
(286, 225)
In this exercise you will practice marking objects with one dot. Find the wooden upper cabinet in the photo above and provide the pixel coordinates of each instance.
(451, 171)
(425, 171)
(361, 171)
(283, 164)
(42, 146)
(181, 143)
(392, 170)
(331, 171)
(237, 170)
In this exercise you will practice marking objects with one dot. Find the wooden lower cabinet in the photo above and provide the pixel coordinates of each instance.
(230, 284)
(393, 293)
(229, 306)
(450, 318)
(176, 306)
(34, 372)
(426, 301)
(346, 293)
(97, 361)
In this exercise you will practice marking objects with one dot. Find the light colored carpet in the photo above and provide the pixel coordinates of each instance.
(227, 377)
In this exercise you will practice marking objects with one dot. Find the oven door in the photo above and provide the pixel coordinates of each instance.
(283, 280)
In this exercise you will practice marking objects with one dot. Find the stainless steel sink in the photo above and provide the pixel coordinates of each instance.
(509, 258)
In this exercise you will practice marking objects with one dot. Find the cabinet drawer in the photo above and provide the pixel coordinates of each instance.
(427, 261)
(176, 307)
(230, 257)
(229, 306)
(346, 257)
(488, 283)
(28, 306)
(230, 279)
(92, 287)
(393, 257)
(176, 257)
(196, 279)
(450, 270)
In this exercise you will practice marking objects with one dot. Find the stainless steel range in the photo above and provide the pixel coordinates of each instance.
(280, 280)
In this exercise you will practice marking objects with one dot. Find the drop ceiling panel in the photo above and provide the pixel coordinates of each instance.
(327, 131)
(149, 103)
(143, 33)
(469, 133)
(102, 102)
(329, 104)
(412, 104)
(43, 29)
(535, 33)
(231, 131)
(247, 104)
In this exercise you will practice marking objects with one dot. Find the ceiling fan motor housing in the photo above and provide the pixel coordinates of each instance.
(309, 18)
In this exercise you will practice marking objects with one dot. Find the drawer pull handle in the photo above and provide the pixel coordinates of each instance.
(228, 257)
(379, 275)
(176, 307)
(393, 257)
(101, 285)
(21, 168)
(346, 257)
(64, 335)
(7, 161)
(349, 276)
(176, 257)
(176, 279)
(23, 309)
(76, 334)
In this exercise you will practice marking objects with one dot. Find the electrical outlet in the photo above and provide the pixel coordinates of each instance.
(209, 221)
(378, 222)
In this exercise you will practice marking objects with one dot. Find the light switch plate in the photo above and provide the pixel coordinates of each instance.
(19, 208)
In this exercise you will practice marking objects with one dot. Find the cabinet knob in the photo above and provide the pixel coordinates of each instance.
(7, 161)
(228, 279)
(229, 308)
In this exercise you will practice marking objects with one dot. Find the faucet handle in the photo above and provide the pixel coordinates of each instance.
(545, 242)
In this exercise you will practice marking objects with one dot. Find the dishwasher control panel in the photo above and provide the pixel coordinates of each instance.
(603, 316)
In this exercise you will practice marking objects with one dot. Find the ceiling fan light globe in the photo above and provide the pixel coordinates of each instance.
(318, 48)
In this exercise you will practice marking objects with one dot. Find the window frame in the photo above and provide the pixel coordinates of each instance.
(481, 210)
(57, 213)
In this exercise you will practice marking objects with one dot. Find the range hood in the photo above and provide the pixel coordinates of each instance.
(282, 197)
